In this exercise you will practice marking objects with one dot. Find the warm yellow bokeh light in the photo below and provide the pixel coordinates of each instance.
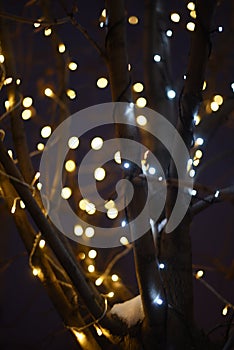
(138, 87)
(27, 102)
(71, 94)
(102, 83)
(141, 102)
(114, 278)
(214, 106)
(112, 213)
(72, 66)
(198, 154)
(117, 157)
(218, 99)
(191, 6)
(89, 232)
(124, 241)
(70, 165)
(190, 26)
(99, 174)
(110, 204)
(2, 58)
(42, 243)
(193, 14)
(82, 203)
(66, 192)
(133, 20)
(91, 268)
(73, 142)
(46, 131)
(90, 208)
(26, 114)
(48, 92)
(78, 230)
(40, 146)
(47, 31)
(92, 254)
(97, 143)
(141, 120)
(175, 17)
(62, 48)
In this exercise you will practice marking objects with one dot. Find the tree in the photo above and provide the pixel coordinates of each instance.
(162, 316)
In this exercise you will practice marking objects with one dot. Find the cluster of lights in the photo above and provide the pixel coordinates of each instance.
(216, 103)
(89, 231)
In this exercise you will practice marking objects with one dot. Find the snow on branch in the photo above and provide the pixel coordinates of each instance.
(131, 311)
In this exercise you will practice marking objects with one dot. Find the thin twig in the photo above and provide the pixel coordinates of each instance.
(20, 19)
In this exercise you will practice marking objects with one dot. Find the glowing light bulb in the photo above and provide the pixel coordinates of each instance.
(193, 14)
(141, 120)
(78, 230)
(123, 223)
(72, 66)
(161, 266)
(191, 6)
(133, 20)
(61, 48)
(37, 24)
(102, 83)
(83, 203)
(157, 58)
(138, 87)
(99, 281)
(46, 131)
(141, 102)
(47, 31)
(66, 192)
(190, 26)
(175, 17)
(152, 171)
(26, 114)
(48, 92)
(115, 278)
(99, 174)
(171, 94)
(2, 58)
(40, 146)
(225, 310)
(220, 29)
(27, 102)
(124, 241)
(199, 274)
(91, 268)
(169, 33)
(97, 143)
(70, 165)
(90, 208)
(112, 213)
(199, 141)
(110, 204)
(8, 81)
(73, 142)
(218, 99)
(89, 232)
(192, 173)
(214, 106)
(42, 243)
(110, 294)
(71, 94)
(92, 254)
(117, 157)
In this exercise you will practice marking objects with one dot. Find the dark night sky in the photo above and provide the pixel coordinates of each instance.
(27, 318)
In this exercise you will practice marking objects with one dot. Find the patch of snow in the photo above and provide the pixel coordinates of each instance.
(131, 311)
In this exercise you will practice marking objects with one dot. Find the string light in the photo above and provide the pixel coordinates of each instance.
(102, 83)
(47, 31)
(66, 192)
(199, 141)
(89, 232)
(133, 20)
(71, 94)
(27, 102)
(117, 157)
(83, 203)
(92, 254)
(141, 120)
(46, 131)
(169, 33)
(91, 268)
(40, 146)
(8, 81)
(191, 6)
(171, 94)
(2, 58)
(42, 243)
(48, 92)
(37, 24)
(99, 174)
(193, 14)
(70, 165)
(115, 278)
(218, 99)
(175, 17)
(198, 154)
(161, 266)
(124, 241)
(190, 26)
(61, 48)
(112, 213)
(109, 204)
(141, 102)
(26, 114)
(225, 310)
(97, 143)
(98, 330)
(72, 66)
(78, 230)
(73, 142)
(110, 294)
(99, 281)
(90, 208)
(138, 87)
(204, 85)
(157, 58)
(214, 106)
(199, 274)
